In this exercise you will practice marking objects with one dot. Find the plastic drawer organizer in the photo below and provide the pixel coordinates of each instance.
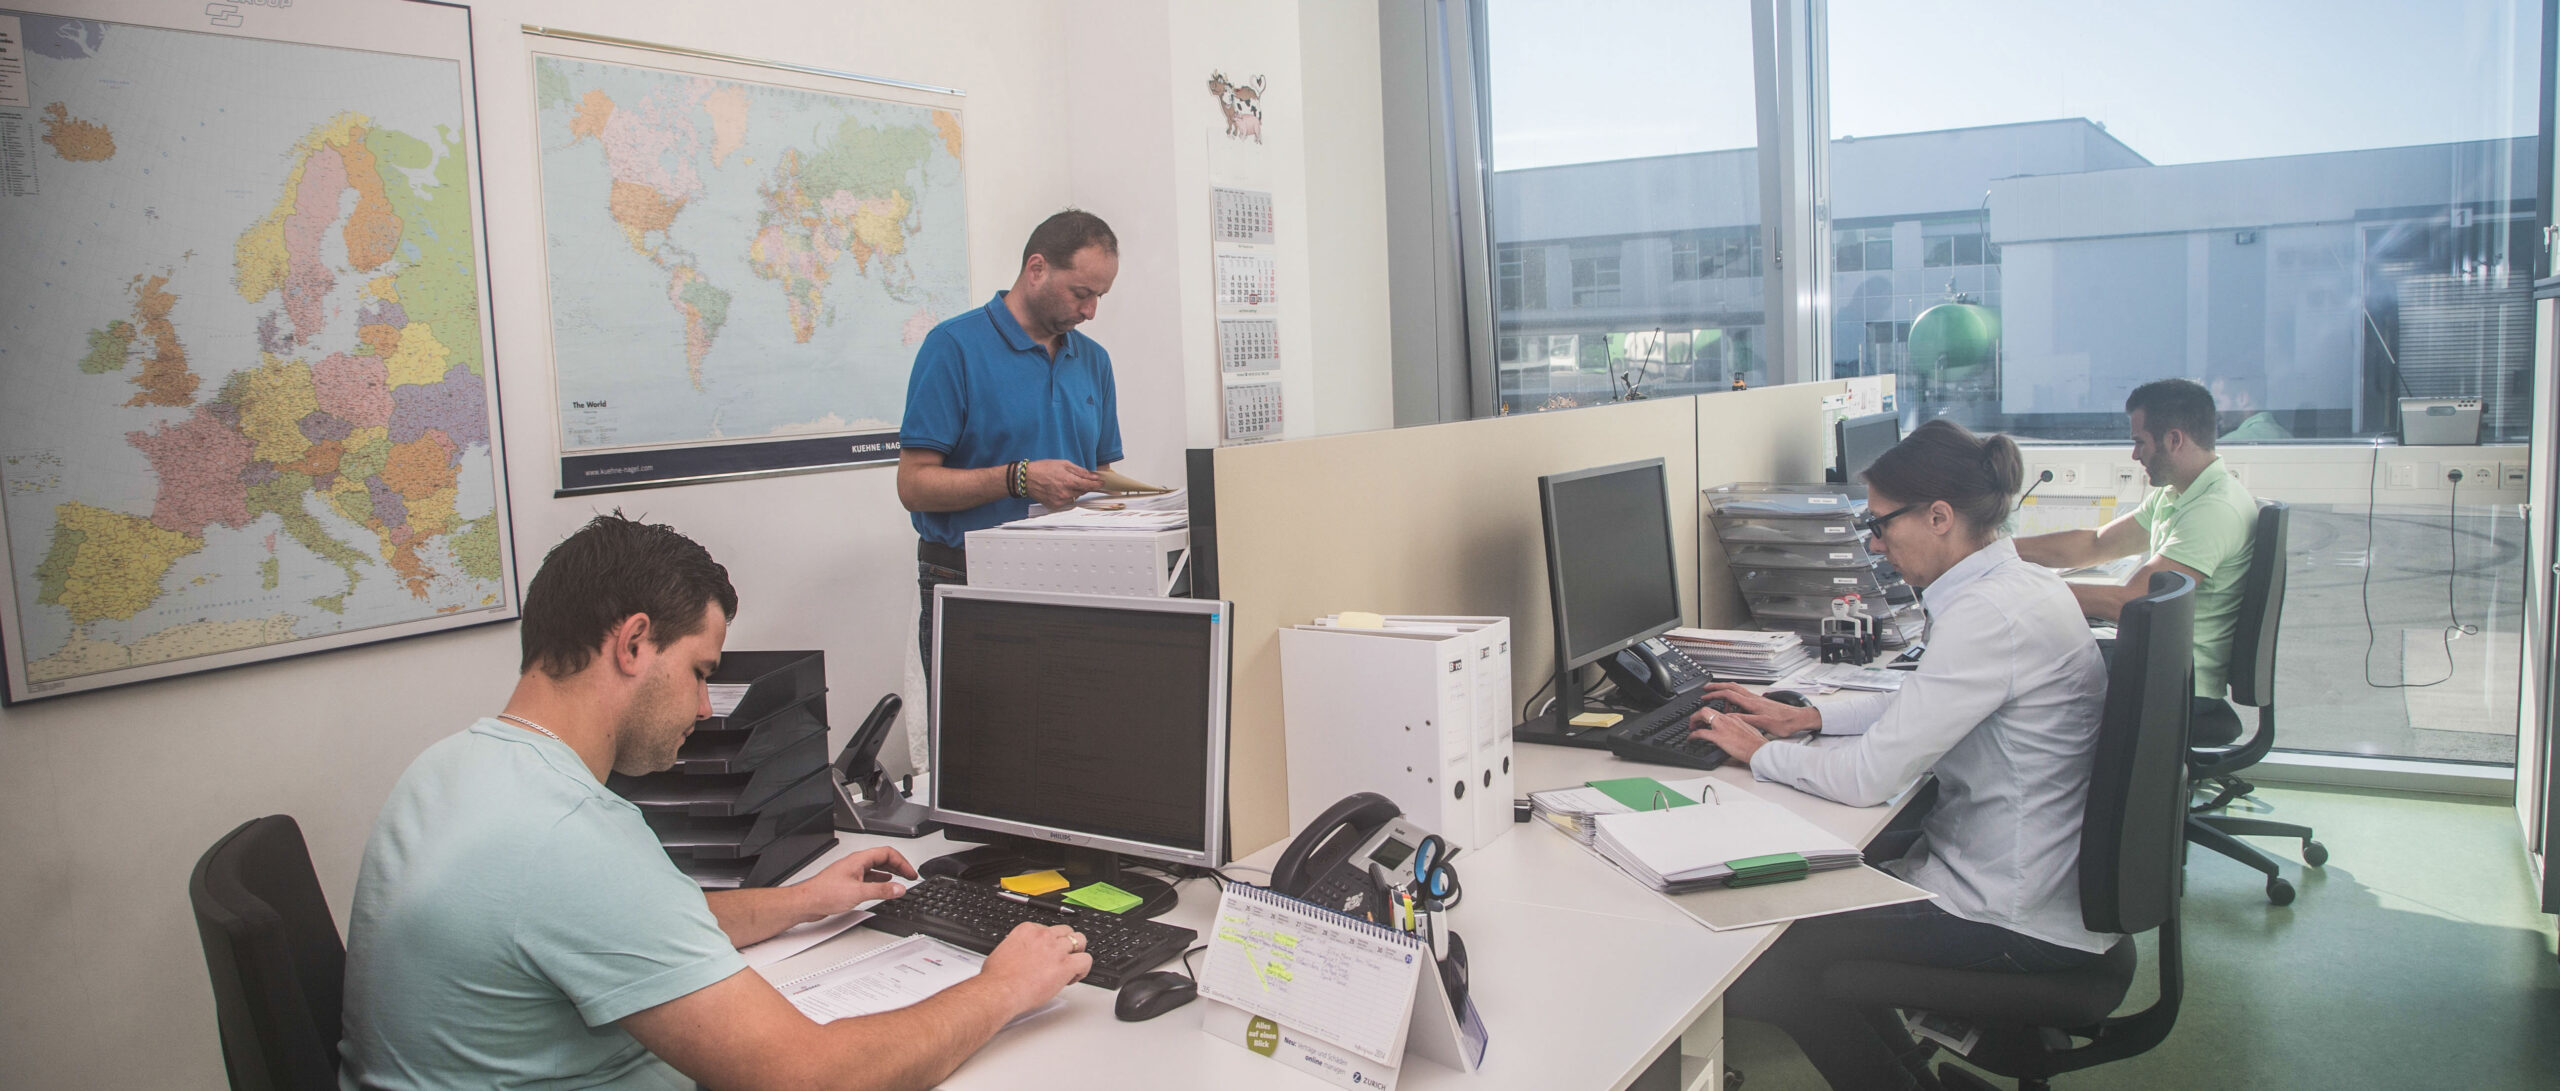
(1794, 548)
(749, 800)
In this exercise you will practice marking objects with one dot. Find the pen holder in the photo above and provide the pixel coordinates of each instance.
(1453, 971)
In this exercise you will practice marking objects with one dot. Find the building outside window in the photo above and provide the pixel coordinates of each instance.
(1648, 212)
(1707, 255)
(2311, 248)
(1940, 251)
(1861, 248)
(1520, 272)
(1595, 280)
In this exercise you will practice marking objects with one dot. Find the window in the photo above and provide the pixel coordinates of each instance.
(1941, 251)
(1639, 181)
(2309, 248)
(1713, 255)
(1595, 281)
(1860, 249)
(1521, 274)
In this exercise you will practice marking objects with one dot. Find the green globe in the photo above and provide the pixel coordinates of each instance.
(1955, 342)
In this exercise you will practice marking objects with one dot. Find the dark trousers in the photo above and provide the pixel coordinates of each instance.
(1852, 1050)
(936, 564)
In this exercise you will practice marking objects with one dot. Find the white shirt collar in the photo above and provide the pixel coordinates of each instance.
(1975, 565)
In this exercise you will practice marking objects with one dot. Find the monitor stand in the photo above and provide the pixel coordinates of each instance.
(1005, 854)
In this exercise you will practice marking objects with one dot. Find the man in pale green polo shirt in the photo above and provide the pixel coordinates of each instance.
(2197, 519)
(516, 925)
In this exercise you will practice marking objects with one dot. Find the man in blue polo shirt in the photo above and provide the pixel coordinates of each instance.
(1009, 404)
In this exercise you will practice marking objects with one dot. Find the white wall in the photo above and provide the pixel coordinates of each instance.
(108, 798)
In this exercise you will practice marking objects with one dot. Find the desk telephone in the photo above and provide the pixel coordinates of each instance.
(1336, 861)
(1652, 672)
(1328, 863)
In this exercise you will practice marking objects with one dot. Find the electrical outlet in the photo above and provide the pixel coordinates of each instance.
(2404, 475)
(2475, 476)
(2514, 475)
(2127, 474)
(2068, 474)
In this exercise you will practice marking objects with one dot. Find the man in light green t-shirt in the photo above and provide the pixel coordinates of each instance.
(516, 925)
(2197, 519)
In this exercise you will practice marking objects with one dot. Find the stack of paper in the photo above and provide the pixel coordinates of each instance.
(1744, 654)
(1853, 676)
(1577, 811)
(1100, 511)
(1716, 843)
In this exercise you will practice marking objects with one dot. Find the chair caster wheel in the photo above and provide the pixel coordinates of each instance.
(2279, 892)
(2314, 853)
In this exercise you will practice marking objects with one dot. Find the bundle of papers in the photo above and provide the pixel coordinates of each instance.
(1577, 811)
(1102, 511)
(1853, 676)
(1744, 653)
(1716, 843)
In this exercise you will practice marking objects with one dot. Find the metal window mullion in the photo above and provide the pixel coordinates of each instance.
(1787, 52)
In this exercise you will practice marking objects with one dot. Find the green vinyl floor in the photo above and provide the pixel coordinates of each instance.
(2415, 959)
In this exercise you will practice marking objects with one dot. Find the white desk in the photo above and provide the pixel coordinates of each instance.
(1584, 976)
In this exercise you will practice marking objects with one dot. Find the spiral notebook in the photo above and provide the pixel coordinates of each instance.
(1344, 980)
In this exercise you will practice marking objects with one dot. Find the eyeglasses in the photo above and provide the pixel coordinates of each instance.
(1874, 524)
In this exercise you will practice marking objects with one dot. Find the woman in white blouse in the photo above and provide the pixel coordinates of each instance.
(2003, 710)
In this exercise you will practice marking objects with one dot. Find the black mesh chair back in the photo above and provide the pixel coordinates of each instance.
(2253, 643)
(2132, 840)
(273, 950)
(2218, 760)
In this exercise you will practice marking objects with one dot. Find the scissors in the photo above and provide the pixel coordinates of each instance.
(1432, 874)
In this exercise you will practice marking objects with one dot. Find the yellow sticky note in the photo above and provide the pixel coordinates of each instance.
(1597, 719)
(1359, 619)
(1034, 884)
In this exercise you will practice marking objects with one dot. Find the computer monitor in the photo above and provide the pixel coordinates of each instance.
(1072, 730)
(1861, 439)
(1610, 572)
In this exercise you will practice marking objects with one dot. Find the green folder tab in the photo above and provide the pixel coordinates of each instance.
(1642, 794)
(1112, 899)
(1774, 868)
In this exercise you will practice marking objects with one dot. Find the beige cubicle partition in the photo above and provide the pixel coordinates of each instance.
(1443, 519)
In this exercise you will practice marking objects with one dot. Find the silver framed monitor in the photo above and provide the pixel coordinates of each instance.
(1094, 722)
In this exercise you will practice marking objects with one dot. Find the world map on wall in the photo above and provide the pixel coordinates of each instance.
(732, 260)
(244, 400)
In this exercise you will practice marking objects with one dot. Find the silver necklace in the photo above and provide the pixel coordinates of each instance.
(533, 725)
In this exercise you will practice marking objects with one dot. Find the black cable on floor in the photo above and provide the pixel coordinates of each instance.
(2453, 618)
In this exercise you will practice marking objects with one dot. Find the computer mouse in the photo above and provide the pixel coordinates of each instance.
(1149, 995)
(1788, 697)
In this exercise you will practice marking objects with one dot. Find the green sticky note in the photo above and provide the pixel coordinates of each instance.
(1105, 897)
(1642, 793)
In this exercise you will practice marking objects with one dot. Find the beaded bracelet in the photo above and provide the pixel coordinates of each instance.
(1018, 483)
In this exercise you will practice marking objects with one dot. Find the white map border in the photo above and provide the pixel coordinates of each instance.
(435, 29)
(870, 448)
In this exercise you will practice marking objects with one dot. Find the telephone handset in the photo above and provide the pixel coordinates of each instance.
(1651, 672)
(1328, 863)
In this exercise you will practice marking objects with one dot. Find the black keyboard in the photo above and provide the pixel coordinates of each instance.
(976, 917)
(1662, 736)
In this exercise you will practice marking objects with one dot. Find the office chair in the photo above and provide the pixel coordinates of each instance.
(274, 953)
(2130, 858)
(2253, 683)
